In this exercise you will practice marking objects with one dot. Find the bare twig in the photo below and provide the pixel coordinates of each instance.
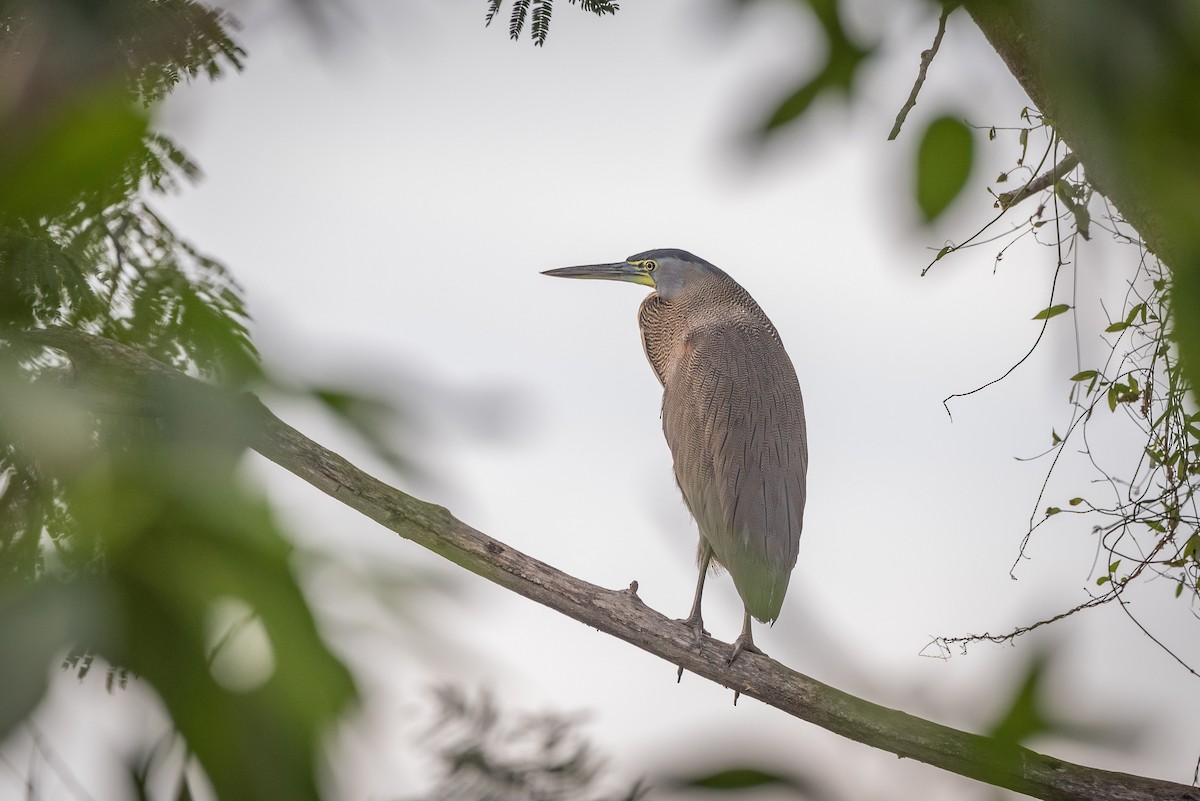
(1112, 594)
(926, 60)
(621, 613)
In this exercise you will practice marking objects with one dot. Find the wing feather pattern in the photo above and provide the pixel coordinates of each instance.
(734, 418)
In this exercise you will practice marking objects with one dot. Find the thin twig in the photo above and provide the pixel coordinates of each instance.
(1009, 371)
(1113, 593)
(926, 60)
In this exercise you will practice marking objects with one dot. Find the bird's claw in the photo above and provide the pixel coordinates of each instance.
(698, 631)
(696, 624)
(744, 643)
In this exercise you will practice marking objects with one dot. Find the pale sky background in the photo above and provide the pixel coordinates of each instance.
(387, 197)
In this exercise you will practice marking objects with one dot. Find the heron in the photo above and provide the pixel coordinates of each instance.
(733, 418)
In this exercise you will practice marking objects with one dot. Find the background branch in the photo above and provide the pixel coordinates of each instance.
(926, 60)
(1040, 183)
(103, 364)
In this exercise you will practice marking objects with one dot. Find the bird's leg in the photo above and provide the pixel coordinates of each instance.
(694, 620)
(745, 641)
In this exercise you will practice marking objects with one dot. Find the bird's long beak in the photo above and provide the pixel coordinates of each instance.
(621, 271)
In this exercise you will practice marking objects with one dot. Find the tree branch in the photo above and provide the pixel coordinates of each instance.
(109, 366)
(1041, 182)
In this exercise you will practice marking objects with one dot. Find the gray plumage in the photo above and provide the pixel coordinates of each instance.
(733, 416)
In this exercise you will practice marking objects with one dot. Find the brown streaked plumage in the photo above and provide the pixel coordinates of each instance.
(733, 417)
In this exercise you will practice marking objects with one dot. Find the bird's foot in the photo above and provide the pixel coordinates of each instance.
(744, 643)
(696, 624)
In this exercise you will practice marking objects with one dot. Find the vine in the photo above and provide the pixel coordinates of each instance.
(1143, 510)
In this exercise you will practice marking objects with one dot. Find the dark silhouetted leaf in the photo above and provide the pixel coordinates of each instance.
(737, 779)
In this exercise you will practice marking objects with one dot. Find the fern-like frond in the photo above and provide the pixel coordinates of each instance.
(542, 12)
(493, 8)
(598, 7)
(516, 22)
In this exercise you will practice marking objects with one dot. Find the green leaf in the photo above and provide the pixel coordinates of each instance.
(837, 74)
(1191, 549)
(1100, 582)
(1083, 220)
(1115, 327)
(1075, 501)
(1054, 437)
(944, 160)
(735, 779)
(1025, 717)
(1065, 192)
(1052, 311)
(1084, 375)
(1112, 568)
(1052, 510)
(51, 160)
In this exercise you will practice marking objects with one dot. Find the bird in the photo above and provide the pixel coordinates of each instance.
(733, 418)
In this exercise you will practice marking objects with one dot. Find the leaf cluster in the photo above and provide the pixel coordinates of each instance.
(487, 754)
(125, 525)
(81, 246)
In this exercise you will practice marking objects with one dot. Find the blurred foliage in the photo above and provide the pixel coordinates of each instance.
(124, 524)
(80, 246)
(1025, 718)
(747, 782)
(843, 59)
(488, 756)
(944, 161)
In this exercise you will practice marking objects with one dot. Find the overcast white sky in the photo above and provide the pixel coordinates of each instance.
(388, 200)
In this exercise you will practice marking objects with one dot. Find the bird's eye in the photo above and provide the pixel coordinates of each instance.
(650, 264)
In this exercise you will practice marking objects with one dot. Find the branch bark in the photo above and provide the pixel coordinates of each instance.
(1042, 182)
(108, 367)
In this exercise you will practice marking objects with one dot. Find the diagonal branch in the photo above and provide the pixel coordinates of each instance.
(106, 365)
(1040, 183)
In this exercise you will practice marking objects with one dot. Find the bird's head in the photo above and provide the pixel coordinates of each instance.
(668, 270)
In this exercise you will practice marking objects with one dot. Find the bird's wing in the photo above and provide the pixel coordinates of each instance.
(733, 416)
